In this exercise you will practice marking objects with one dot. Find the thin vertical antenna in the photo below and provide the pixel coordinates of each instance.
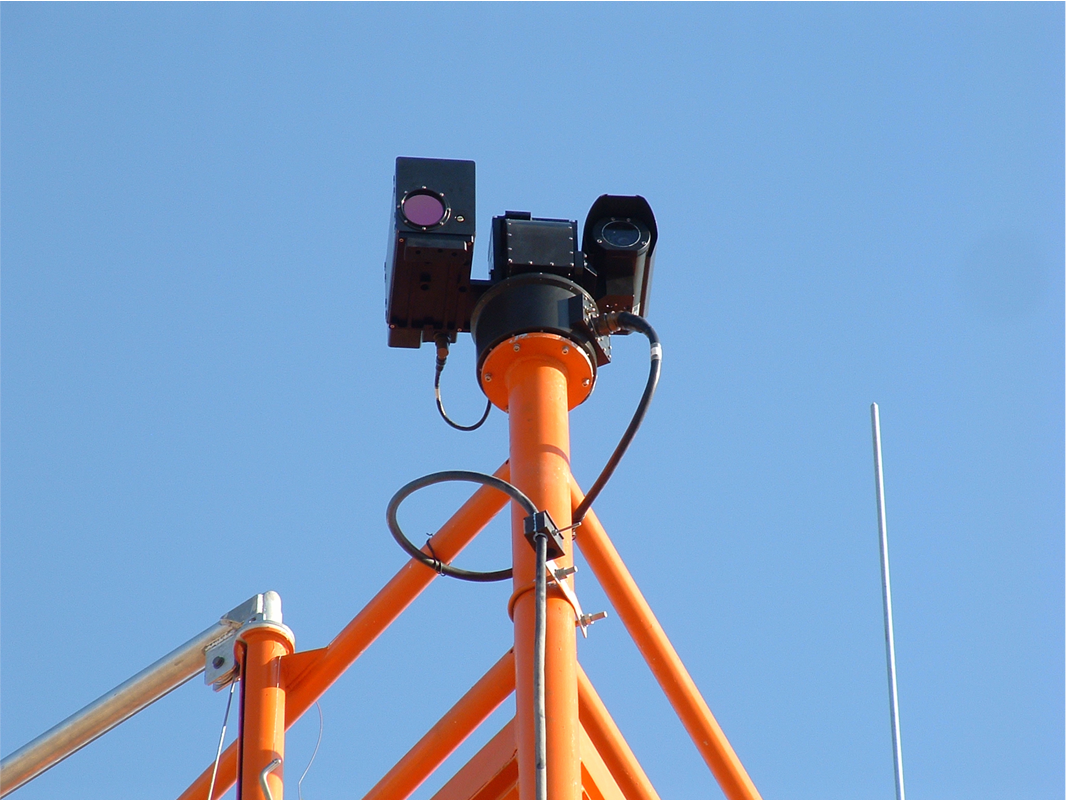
(886, 596)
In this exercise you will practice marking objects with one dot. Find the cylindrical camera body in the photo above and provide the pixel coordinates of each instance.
(537, 302)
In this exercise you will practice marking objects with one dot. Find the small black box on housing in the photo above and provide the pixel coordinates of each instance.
(522, 244)
(427, 273)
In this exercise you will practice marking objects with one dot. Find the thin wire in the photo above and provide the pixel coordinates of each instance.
(886, 596)
(442, 358)
(300, 783)
(221, 740)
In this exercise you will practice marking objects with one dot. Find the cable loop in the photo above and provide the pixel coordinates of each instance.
(430, 560)
(442, 357)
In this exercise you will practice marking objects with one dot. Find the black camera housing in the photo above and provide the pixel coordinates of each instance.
(430, 251)
(619, 242)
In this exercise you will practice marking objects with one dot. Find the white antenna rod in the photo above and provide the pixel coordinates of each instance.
(886, 595)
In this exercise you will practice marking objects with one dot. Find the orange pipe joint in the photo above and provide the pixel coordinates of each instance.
(261, 741)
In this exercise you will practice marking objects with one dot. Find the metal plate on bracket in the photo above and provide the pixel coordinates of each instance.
(220, 663)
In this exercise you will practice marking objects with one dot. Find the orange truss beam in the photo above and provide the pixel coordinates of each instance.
(597, 782)
(316, 677)
(608, 741)
(666, 666)
(489, 775)
(440, 742)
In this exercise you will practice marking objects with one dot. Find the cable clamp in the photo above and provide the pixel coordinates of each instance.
(436, 563)
(542, 524)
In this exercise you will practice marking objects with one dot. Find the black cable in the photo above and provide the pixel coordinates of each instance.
(625, 321)
(442, 358)
(432, 562)
(540, 631)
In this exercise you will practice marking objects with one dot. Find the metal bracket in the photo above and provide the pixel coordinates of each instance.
(220, 658)
(558, 576)
(542, 523)
(273, 765)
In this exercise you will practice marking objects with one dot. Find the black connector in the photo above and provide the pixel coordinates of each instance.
(542, 523)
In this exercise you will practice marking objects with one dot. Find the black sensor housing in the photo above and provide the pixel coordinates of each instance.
(619, 243)
(429, 290)
(562, 288)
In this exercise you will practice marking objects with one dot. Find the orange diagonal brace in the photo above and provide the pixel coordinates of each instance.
(665, 664)
(313, 680)
(490, 774)
(451, 731)
(597, 782)
(609, 742)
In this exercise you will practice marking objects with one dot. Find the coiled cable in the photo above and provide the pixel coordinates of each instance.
(433, 562)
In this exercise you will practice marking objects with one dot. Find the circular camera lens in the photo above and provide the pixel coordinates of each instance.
(424, 210)
(621, 233)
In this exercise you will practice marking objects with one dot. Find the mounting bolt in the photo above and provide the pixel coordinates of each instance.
(565, 349)
(217, 662)
(488, 377)
(517, 348)
(588, 619)
(586, 382)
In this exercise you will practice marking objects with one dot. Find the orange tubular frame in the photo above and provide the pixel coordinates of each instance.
(537, 378)
(328, 664)
(663, 660)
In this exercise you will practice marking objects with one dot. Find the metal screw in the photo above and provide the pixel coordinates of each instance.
(588, 619)
(565, 349)
(460, 218)
(488, 377)
(218, 661)
(586, 382)
(517, 348)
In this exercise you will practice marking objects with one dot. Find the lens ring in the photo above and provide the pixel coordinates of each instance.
(424, 209)
(621, 233)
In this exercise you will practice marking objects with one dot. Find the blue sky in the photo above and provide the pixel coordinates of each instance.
(856, 203)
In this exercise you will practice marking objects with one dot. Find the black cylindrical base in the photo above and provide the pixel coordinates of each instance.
(537, 302)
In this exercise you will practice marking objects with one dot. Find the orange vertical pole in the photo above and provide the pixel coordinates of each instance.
(538, 409)
(663, 660)
(261, 749)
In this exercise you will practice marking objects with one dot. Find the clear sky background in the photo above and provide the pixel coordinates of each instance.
(856, 203)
